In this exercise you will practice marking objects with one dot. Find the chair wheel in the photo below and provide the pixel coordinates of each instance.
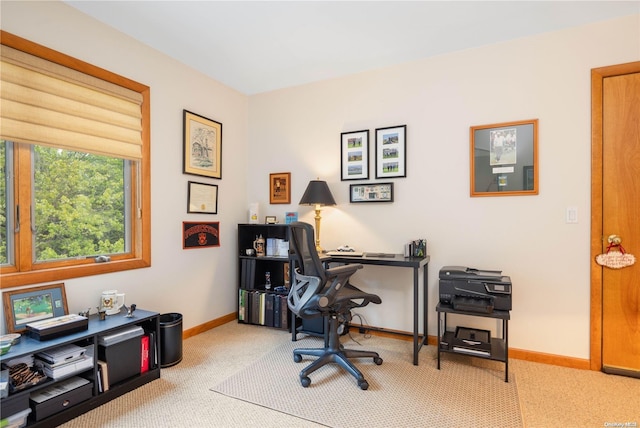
(377, 360)
(305, 381)
(297, 358)
(363, 384)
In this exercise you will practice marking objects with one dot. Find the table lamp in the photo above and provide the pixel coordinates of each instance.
(317, 194)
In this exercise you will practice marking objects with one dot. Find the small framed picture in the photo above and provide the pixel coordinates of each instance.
(202, 145)
(203, 198)
(270, 219)
(354, 151)
(200, 234)
(391, 152)
(371, 192)
(291, 217)
(280, 188)
(29, 305)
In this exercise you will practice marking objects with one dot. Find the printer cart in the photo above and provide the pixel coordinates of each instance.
(499, 346)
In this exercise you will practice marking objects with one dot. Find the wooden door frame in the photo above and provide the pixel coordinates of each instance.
(597, 79)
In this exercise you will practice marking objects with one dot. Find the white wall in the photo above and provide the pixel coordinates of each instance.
(200, 283)
(298, 130)
(545, 77)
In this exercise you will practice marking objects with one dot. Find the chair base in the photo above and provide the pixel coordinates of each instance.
(334, 353)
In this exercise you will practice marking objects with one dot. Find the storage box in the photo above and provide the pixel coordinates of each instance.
(13, 404)
(17, 420)
(56, 327)
(60, 396)
(122, 352)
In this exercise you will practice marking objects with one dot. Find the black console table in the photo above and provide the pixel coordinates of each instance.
(499, 346)
(150, 323)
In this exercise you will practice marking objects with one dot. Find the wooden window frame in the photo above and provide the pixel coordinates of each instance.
(25, 272)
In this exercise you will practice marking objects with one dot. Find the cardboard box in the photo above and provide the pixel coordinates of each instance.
(60, 396)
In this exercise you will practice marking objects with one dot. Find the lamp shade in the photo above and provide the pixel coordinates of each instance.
(317, 193)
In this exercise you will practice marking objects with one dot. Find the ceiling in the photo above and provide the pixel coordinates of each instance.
(259, 46)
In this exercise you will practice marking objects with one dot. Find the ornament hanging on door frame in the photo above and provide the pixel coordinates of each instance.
(615, 257)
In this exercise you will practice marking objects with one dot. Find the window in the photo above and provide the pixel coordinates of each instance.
(74, 176)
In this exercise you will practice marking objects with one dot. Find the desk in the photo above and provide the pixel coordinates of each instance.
(399, 260)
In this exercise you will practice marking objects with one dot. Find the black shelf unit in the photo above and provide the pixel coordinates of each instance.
(149, 321)
(499, 346)
(251, 277)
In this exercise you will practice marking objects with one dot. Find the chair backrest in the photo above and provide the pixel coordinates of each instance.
(308, 274)
(304, 253)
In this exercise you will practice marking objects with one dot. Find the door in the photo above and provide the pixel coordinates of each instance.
(616, 132)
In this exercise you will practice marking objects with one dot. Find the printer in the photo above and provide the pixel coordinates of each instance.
(474, 290)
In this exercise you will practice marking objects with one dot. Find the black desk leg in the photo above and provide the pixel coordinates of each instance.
(415, 316)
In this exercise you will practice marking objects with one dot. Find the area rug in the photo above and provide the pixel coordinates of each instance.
(465, 392)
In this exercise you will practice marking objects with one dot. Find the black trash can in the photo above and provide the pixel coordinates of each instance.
(170, 339)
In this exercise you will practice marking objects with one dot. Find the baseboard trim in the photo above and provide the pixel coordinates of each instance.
(519, 354)
(556, 360)
(209, 325)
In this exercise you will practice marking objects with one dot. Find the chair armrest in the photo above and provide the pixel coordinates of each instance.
(337, 278)
(342, 270)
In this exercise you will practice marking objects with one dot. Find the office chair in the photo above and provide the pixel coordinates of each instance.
(319, 292)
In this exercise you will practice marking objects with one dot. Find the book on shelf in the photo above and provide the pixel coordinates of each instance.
(284, 313)
(104, 373)
(262, 311)
(255, 308)
(153, 355)
(144, 354)
(99, 379)
(277, 320)
(268, 309)
(242, 306)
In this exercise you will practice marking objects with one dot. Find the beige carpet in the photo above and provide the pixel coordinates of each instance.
(466, 392)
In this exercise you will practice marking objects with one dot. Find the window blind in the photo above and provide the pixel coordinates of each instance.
(48, 104)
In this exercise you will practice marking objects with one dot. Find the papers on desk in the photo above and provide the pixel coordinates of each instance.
(345, 253)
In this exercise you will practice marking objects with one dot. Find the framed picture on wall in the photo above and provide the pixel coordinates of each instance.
(504, 158)
(203, 198)
(391, 152)
(280, 188)
(354, 151)
(371, 192)
(202, 146)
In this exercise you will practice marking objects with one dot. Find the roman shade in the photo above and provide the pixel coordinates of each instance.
(52, 105)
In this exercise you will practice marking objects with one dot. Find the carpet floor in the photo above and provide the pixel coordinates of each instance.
(462, 393)
(549, 396)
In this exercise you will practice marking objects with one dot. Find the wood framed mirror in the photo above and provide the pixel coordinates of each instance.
(504, 159)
